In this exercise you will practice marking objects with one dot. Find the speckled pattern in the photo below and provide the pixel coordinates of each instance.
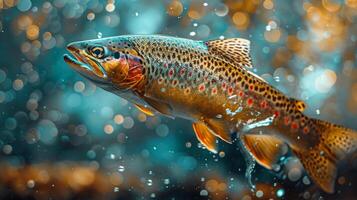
(209, 84)
(194, 66)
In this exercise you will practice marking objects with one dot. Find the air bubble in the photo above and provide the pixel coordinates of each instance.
(99, 35)
(121, 168)
(203, 193)
(259, 194)
(31, 184)
(280, 193)
(149, 182)
(166, 181)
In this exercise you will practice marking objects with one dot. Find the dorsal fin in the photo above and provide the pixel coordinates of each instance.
(205, 136)
(264, 148)
(145, 110)
(234, 50)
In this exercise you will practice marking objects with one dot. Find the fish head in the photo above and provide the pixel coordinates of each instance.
(111, 63)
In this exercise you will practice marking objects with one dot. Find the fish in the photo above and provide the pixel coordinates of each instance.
(211, 84)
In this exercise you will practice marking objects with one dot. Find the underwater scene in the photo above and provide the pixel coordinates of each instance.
(178, 99)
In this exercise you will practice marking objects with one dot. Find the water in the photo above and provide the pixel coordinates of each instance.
(250, 163)
(65, 137)
(258, 124)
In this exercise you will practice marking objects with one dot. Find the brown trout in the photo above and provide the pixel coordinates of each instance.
(208, 83)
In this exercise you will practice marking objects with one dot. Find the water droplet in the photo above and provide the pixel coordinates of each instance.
(277, 78)
(280, 193)
(219, 116)
(259, 194)
(136, 14)
(317, 111)
(294, 174)
(188, 144)
(149, 183)
(205, 4)
(116, 189)
(222, 154)
(306, 180)
(31, 184)
(99, 35)
(192, 33)
(121, 168)
(204, 193)
(166, 181)
(112, 156)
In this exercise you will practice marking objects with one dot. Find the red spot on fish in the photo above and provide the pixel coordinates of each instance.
(214, 90)
(250, 101)
(264, 104)
(306, 130)
(251, 87)
(182, 71)
(166, 65)
(286, 120)
(276, 113)
(189, 74)
(241, 93)
(201, 87)
(171, 72)
(224, 86)
(230, 91)
(294, 125)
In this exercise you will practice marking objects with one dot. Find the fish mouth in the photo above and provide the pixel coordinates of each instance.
(86, 66)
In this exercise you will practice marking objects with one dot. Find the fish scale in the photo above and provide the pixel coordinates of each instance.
(208, 83)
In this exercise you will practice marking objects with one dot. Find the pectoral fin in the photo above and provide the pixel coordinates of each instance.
(264, 148)
(161, 107)
(205, 136)
(145, 110)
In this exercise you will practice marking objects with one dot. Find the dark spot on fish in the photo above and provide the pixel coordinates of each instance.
(116, 55)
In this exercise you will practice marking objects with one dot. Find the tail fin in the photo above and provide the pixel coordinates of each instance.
(320, 162)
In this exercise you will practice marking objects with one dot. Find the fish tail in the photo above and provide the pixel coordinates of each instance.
(334, 144)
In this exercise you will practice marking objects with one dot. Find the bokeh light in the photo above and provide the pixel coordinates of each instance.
(62, 137)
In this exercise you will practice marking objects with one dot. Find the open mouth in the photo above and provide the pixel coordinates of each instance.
(85, 66)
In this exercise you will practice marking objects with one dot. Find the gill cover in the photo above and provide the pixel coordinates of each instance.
(122, 64)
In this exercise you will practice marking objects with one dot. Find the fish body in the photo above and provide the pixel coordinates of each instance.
(207, 82)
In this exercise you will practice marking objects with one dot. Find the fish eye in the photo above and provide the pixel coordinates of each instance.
(97, 52)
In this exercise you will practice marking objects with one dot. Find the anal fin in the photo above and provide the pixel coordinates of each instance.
(264, 148)
(205, 136)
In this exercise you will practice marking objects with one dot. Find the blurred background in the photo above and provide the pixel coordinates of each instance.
(61, 137)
